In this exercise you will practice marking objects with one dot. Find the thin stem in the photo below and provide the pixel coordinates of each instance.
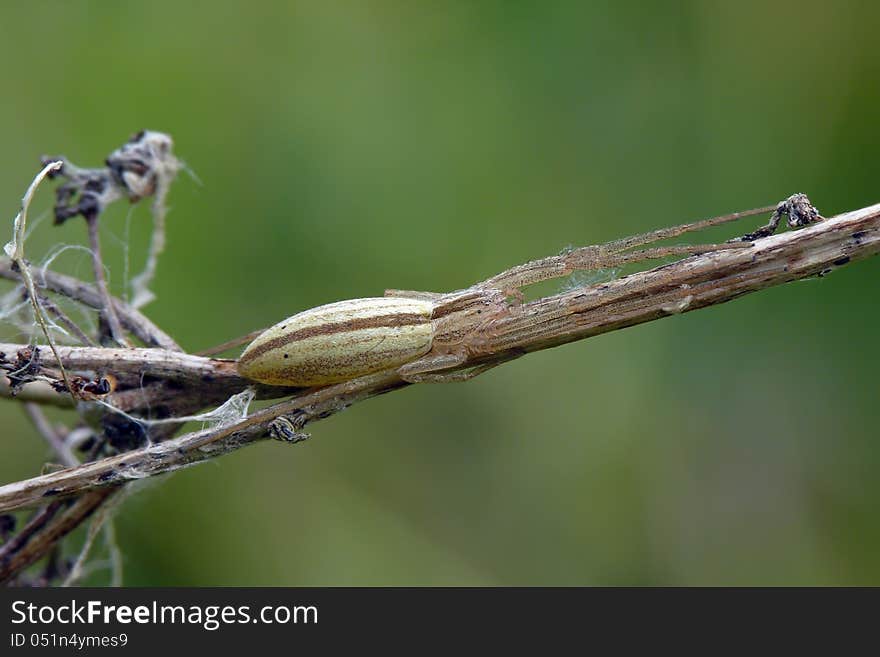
(45, 429)
(107, 308)
(230, 344)
(44, 532)
(15, 250)
(66, 321)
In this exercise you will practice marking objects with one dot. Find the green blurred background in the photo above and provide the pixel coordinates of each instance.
(348, 147)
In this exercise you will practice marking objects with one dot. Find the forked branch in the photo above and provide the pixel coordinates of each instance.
(695, 282)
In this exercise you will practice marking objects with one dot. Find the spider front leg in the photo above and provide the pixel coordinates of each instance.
(430, 369)
(614, 254)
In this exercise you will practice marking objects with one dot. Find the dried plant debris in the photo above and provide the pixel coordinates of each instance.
(145, 166)
(799, 210)
(134, 171)
(88, 389)
(22, 369)
(288, 428)
(7, 526)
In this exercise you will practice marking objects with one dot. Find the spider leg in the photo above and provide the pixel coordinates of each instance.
(633, 241)
(656, 253)
(601, 256)
(590, 258)
(429, 369)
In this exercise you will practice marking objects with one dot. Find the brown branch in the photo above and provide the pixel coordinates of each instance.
(108, 310)
(56, 442)
(193, 382)
(158, 363)
(686, 285)
(48, 527)
(193, 447)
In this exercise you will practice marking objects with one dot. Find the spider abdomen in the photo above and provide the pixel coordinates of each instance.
(340, 341)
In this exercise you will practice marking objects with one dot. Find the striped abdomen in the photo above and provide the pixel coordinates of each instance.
(340, 341)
